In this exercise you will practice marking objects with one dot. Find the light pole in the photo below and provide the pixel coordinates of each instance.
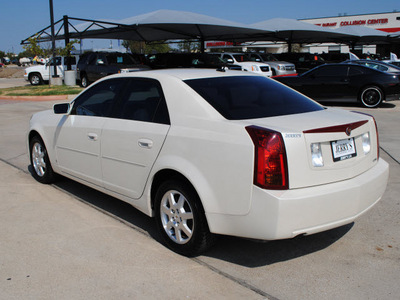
(53, 39)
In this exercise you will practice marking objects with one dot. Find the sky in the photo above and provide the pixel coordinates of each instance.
(20, 19)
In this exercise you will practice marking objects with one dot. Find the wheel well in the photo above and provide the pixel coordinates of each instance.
(370, 85)
(165, 175)
(32, 134)
(34, 73)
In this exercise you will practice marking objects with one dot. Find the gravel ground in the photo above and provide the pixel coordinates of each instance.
(12, 72)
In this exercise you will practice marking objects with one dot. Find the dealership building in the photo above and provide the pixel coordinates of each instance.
(385, 22)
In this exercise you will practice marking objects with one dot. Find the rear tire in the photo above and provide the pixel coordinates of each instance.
(371, 96)
(84, 81)
(40, 162)
(180, 219)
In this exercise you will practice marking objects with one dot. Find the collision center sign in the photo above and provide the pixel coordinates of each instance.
(387, 22)
(355, 22)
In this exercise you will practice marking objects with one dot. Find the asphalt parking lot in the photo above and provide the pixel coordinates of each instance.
(67, 241)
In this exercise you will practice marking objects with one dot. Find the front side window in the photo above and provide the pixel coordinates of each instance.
(251, 97)
(98, 100)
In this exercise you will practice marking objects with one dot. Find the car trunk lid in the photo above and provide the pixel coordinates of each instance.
(325, 146)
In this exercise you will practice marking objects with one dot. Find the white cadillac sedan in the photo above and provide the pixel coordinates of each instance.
(213, 152)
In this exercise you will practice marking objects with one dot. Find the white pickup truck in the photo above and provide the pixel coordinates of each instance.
(246, 63)
(38, 74)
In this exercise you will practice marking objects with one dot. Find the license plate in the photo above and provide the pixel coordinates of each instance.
(343, 149)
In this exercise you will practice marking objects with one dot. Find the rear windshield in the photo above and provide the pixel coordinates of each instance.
(251, 97)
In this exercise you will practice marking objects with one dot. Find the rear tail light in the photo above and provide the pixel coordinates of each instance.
(376, 130)
(270, 165)
(366, 142)
(316, 155)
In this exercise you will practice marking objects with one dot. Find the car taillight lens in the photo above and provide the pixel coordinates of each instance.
(270, 166)
(377, 133)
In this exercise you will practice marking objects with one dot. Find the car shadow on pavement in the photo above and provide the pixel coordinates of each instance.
(253, 253)
(109, 205)
(246, 252)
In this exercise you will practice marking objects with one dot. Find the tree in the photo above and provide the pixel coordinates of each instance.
(66, 51)
(189, 46)
(2, 54)
(33, 48)
(143, 48)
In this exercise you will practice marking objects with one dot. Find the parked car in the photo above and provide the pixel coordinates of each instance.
(39, 74)
(95, 65)
(334, 57)
(375, 64)
(188, 60)
(209, 152)
(395, 63)
(346, 82)
(246, 63)
(278, 68)
(302, 61)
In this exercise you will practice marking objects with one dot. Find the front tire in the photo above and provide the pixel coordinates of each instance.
(35, 79)
(180, 219)
(40, 162)
(371, 96)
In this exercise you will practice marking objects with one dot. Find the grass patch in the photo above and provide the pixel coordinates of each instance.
(43, 90)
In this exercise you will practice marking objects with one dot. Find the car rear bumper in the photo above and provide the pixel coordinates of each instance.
(286, 214)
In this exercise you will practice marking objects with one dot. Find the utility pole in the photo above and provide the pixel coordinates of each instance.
(53, 39)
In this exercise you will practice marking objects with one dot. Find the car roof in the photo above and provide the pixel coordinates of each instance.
(186, 73)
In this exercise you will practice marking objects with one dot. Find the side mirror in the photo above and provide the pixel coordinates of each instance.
(230, 61)
(61, 109)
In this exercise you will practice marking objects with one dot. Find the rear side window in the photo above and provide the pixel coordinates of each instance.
(251, 97)
(143, 100)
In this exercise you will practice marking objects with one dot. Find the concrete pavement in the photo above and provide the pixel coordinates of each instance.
(54, 247)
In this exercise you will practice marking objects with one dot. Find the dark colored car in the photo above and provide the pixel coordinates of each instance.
(302, 61)
(188, 60)
(95, 65)
(335, 57)
(375, 64)
(346, 82)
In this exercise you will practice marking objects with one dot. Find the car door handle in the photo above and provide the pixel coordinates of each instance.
(92, 136)
(145, 143)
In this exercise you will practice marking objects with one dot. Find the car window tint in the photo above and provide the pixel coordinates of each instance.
(71, 59)
(143, 100)
(331, 71)
(250, 97)
(57, 60)
(98, 100)
(120, 59)
(353, 71)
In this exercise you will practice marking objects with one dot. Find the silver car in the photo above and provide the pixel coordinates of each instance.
(278, 67)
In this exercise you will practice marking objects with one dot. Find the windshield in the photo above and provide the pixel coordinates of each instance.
(241, 57)
(268, 57)
(251, 97)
